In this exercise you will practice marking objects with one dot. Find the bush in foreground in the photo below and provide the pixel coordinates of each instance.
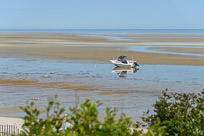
(181, 114)
(175, 114)
(84, 122)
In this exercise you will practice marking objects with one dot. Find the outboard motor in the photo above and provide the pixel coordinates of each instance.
(135, 64)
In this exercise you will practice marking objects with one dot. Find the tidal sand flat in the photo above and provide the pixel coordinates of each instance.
(75, 66)
(74, 46)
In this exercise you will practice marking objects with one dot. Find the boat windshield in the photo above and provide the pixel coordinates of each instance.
(123, 59)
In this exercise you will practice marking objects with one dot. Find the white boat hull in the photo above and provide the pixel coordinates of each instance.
(130, 63)
(121, 65)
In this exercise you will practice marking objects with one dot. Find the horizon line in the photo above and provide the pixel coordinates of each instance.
(102, 29)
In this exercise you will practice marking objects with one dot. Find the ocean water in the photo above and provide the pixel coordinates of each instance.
(112, 31)
(135, 90)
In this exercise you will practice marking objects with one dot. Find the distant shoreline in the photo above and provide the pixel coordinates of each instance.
(112, 31)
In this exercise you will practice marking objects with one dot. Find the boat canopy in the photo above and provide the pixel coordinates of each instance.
(123, 59)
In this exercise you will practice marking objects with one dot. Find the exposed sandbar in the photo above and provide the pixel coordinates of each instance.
(97, 53)
(58, 85)
(51, 45)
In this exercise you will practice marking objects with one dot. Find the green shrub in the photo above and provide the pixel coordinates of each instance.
(84, 121)
(156, 130)
(181, 114)
(35, 126)
(174, 114)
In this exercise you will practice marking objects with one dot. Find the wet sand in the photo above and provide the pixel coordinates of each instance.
(58, 85)
(29, 44)
(10, 110)
(97, 54)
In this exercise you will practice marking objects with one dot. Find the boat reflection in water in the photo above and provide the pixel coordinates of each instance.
(123, 71)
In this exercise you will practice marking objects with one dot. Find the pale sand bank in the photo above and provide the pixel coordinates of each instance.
(38, 45)
(57, 85)
(10, 110)
(65, 38)
(97, 54)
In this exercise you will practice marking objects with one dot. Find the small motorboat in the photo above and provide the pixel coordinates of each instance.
(123, 62)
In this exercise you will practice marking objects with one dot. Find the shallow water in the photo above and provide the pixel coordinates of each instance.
(112, 38)
(129, 88)
(32, 68)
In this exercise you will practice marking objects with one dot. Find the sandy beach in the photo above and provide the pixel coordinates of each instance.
(12, 121)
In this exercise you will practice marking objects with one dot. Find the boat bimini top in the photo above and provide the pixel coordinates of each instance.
(123, 59)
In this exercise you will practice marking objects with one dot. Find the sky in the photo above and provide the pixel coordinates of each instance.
(101, 14)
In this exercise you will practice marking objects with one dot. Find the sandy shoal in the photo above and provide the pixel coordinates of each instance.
(48, 45)
(96, 53)
(52, 85)
(80, 39)
(10, 110)
(58, 85)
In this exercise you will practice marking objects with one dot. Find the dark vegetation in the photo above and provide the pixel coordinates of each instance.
(174, 114)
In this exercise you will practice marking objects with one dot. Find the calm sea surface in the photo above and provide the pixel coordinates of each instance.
(112, 31)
